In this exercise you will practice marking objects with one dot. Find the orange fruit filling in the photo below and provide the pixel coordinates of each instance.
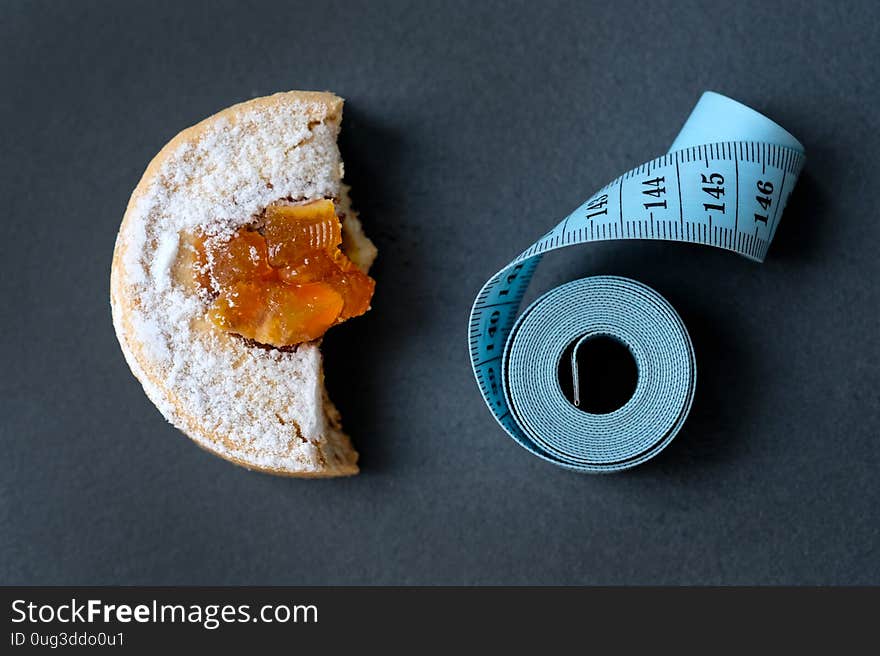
(286, 282)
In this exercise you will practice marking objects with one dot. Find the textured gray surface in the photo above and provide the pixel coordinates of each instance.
(467, 133)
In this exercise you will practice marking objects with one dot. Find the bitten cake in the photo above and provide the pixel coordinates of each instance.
(238, 250)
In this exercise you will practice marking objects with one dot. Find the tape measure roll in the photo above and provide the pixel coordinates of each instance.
(724, 183)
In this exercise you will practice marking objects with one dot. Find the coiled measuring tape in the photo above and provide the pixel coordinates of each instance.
(724, 182)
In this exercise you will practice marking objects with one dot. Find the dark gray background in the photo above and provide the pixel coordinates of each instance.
(470, 128)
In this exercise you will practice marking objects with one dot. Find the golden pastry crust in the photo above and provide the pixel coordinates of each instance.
(311, 456)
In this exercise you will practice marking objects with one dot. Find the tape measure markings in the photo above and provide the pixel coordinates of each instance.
(640, 204)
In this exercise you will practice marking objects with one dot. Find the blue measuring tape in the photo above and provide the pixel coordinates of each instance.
(724, 182)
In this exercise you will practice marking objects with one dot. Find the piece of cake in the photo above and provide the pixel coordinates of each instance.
(238, 250)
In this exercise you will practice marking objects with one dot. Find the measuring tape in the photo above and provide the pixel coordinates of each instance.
(724, 182)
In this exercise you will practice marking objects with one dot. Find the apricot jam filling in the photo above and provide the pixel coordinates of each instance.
(284, 280)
